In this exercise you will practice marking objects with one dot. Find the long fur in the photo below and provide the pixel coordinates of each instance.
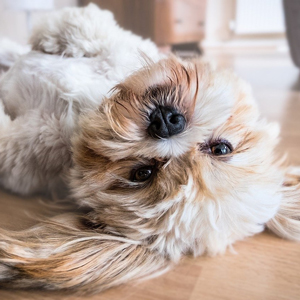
(286, 222)
(70, 256)
(74, 114)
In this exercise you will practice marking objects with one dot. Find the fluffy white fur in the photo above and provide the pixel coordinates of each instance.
(47, 93)
(10, 52)
(74, 114)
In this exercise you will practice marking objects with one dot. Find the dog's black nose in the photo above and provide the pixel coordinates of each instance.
(165, 121)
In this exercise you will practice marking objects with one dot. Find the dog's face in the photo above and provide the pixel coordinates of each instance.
(177, 158)
(175, 162)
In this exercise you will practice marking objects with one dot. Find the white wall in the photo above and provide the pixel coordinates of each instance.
(259, 17)
(13, 23)
(256, 23)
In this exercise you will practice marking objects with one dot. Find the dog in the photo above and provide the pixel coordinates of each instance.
(166, 157)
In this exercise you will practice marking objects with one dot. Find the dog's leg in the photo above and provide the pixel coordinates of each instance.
(63, 253)
(34, 151)
(89, 32)
(74, 32)
(286, 222)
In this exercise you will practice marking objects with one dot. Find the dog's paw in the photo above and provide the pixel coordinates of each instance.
(73, 32)
(10, 52)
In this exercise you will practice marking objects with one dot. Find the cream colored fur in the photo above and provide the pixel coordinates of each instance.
(74, 116)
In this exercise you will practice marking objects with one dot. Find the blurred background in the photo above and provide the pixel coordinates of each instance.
(212, 24)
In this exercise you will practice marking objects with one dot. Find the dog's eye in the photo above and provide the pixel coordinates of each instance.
(142, 174)
(221, 149)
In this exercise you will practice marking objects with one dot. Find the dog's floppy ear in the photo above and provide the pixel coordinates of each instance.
(286, 222)
(59, 254)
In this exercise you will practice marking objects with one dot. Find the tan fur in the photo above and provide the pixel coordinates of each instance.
(286, 222)
(71, 256)
(195, 203)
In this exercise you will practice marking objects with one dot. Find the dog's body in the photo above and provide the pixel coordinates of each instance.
(175, 161)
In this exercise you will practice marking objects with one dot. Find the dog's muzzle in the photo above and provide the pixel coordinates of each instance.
(165, 121)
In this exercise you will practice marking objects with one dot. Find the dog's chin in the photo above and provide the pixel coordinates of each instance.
(119, 129)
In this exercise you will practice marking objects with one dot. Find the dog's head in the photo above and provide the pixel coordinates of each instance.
(179, 159)
(176, 161)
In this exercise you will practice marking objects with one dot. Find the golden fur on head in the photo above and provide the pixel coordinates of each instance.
(194, 202)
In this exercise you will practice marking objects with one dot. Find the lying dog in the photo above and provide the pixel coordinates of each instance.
(174, 160)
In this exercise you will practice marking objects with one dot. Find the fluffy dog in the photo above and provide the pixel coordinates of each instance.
(169, 157)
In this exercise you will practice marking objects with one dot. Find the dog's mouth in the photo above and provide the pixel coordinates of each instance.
(165, 121)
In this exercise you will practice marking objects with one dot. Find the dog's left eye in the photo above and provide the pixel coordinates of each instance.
(142, 174)
(221, 149)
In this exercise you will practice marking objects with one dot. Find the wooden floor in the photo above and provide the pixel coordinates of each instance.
(264, 267)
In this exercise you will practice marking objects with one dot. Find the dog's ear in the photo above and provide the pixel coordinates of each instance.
(61, 253)
(286, 222)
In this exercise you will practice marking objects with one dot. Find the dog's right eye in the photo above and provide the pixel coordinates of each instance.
(220, 149)
(142, 174)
